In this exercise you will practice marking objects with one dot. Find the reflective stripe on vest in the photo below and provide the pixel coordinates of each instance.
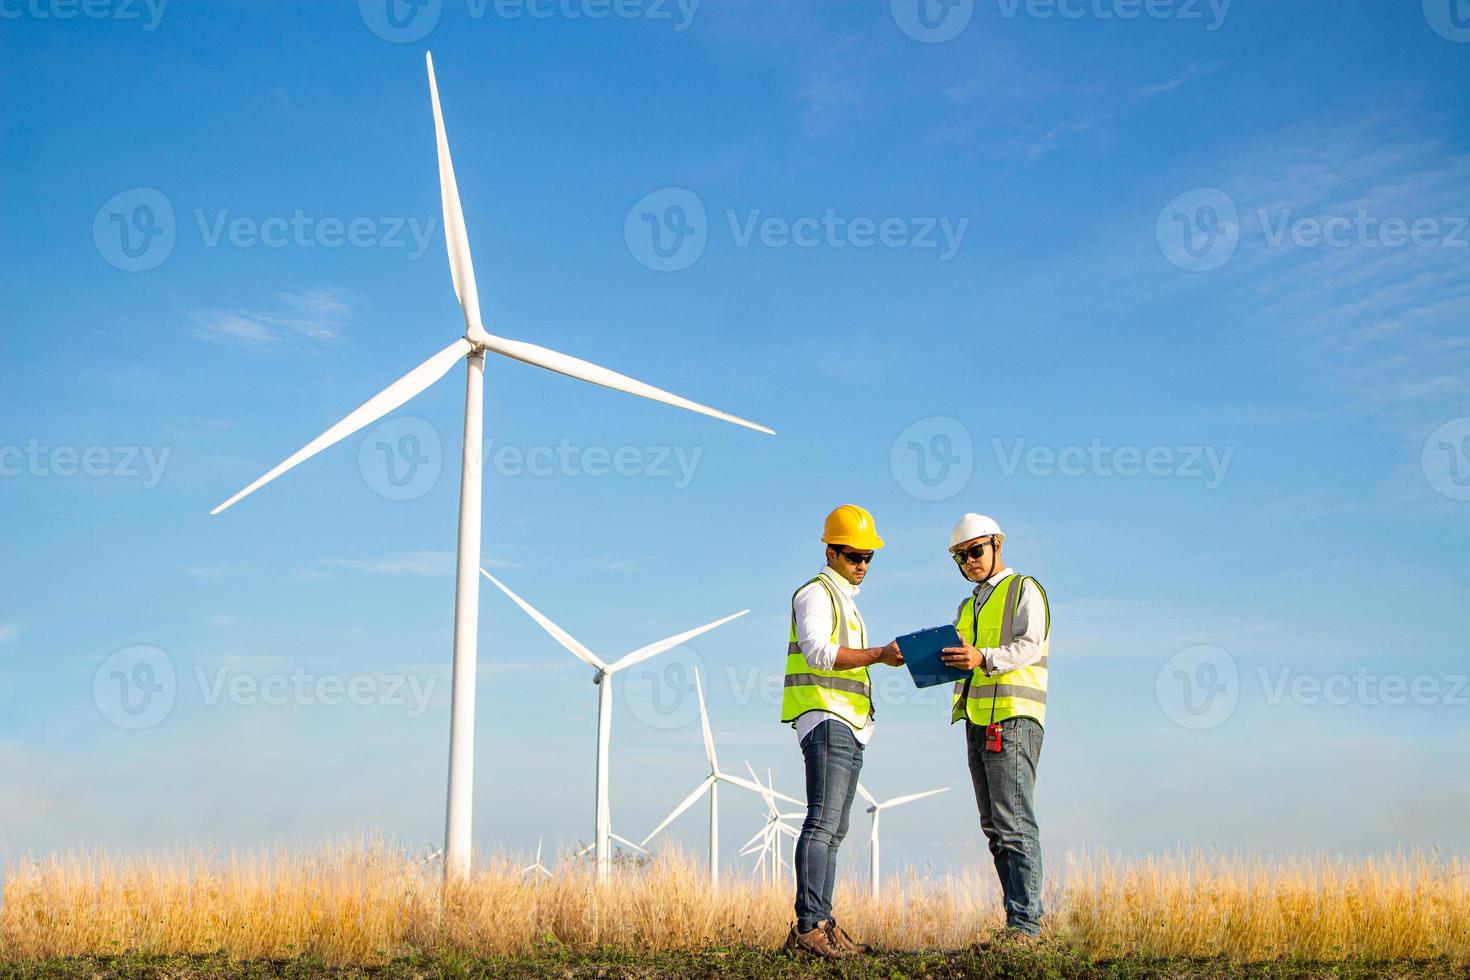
(1022, 692)
(846, 693)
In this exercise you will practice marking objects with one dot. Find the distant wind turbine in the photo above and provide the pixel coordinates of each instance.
(603, 679)
(767, 840)
(876, 809)
(470, 348)
(537, 867)
(711, 784)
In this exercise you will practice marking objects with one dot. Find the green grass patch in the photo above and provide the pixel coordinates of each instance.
(1043, 963)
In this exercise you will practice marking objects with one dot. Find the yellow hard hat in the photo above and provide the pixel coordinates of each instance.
(852, 526)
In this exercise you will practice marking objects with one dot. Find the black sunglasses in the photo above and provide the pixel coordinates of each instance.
(974, 551)
(855, 557)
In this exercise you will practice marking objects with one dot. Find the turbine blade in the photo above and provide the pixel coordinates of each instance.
(654, 649)
(770, 800)
(627, 843)
(575, 367)
(368, 412)
(863, 792)
(461, 269)
(709, 740)
(754, 840)
(791, 832)
(744, 783)
(901, 800)
(561, 636)
(689, 800)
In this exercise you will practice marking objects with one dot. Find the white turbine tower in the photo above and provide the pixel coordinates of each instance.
(876, 809)
(470, 348)
(710, 784)
(601, 844)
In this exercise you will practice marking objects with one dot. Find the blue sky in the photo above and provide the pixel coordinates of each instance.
(1179, 298)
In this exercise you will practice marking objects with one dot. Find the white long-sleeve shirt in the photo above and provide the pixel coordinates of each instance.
(812, 608)
(1029, 628)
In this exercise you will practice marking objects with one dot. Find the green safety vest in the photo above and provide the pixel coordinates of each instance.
(1016, 693)
(846, 693)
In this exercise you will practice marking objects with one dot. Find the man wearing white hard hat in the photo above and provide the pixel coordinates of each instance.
(1004, 626)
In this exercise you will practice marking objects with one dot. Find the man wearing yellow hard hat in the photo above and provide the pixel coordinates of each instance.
(1005, 629)
(828, 699)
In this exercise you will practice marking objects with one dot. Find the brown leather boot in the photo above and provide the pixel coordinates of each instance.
(814, 943)
(838, 937)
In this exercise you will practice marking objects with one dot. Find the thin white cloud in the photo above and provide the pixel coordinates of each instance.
(9, 632)
(412, 563)
(214, 572)
(1060, 133)
(1189, 74)
(423, 563)
(834, 84)
(306, 316)
(608, 563)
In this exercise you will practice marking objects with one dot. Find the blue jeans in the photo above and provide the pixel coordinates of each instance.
(833, 760)
(1004, 792)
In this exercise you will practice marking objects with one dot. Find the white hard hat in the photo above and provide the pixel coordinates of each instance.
(973, 526)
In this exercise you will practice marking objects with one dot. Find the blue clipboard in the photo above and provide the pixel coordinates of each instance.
(921, 653)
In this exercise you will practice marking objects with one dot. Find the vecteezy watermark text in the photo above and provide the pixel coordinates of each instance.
(405, 21)
(302, 230)
(402, 459)
(301, 688)
(833, 230)
(660, 693)
(1210, 13)
(137, 688)
(676, 463)
(143, 463)
(669, 229)
(1097, 459)
(124, 10)
(937, 21)
(1201, 230)
(1446, 459)
(1200, 687)
(135, 230)
(1363, 687)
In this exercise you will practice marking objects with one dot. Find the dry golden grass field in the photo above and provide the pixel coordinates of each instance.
(368, 905)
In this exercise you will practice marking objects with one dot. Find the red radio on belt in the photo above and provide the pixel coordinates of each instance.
(992, 737)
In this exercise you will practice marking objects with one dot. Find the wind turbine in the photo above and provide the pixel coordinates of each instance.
(876, 809)
(537, 867)
(471, 349)
(603, 679)
(711, 784)
(768, 839)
